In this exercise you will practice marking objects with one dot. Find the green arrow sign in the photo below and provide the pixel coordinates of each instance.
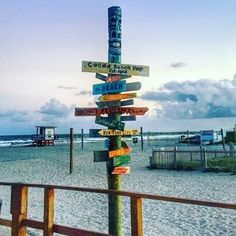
(121, 160)
(112, 124)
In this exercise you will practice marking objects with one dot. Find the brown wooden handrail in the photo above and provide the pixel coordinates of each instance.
(19, 197)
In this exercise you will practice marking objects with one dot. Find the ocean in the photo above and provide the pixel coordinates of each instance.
(50, 165)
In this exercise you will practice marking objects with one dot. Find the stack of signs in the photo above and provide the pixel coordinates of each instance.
(114, 99)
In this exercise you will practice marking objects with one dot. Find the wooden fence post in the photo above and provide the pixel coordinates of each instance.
(82, 139)
(175, 158)
(231, 150)
(48, 211)
(148, 140)
(141, 132)
(136, 216)
(71, 149)
(222, 137)
(204, 159)
(19, 196)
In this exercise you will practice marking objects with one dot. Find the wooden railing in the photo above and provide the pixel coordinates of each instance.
(19, 199)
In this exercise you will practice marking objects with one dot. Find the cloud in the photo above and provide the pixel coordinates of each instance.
(178, 64)
(200, 99)
(67, 87)
(54, 109)
(83, 93)
(15, 115)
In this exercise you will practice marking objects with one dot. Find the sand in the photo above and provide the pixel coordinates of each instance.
(50, 165)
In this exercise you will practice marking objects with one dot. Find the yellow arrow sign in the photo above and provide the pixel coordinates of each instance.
(113, 132)
(113, 97)
(119, 152)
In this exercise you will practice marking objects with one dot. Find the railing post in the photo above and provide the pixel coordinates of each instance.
(136, 216)
(204, 160)
(71, 149)
(19, 196)
(82, 139)
(48, 211)
(175, 158)
(141, 133)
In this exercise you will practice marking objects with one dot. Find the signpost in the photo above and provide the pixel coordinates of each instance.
(114, 68)
(93, 111)
(121, 160)
(107, 121)
(121, 170)
(115, 87)
(112, 97)
(119, 152)
(128, 118)
(112, 132)
(111, 78)
(110, 104)
(94, 133)
(133, 86)
(116, 103)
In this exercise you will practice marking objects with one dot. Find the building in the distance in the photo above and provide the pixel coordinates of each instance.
(45, 135)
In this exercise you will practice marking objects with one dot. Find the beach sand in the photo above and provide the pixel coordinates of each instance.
(50, 165)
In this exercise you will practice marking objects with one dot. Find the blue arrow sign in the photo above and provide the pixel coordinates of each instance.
(105, 88)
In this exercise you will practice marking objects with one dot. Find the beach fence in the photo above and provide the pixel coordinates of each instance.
(19, 201)
(195, 157)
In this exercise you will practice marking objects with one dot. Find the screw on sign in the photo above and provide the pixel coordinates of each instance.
(121, 170)
(112, 97)
(119, 152)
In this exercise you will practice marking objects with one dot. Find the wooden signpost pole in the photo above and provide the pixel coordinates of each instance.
(114, 181)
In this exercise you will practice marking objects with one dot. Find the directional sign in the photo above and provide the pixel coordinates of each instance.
(94, 133)
(118, 152)
(101, 77)
(127, 102)
(107, 143)
(109, 122)
(128, 118)
(112, 132)
(133, 86)
(116, 103)
(115, 87)
(100, 156)
(111, 97)
(109, 104)
(121, 170)
(112, 78)
(109, 79)
(121, 160)
(122, 110)
(115, 68)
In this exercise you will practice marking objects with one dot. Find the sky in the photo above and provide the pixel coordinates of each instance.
(189, 46)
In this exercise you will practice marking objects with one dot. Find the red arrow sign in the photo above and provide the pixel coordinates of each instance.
(121, 170)
(122, 110)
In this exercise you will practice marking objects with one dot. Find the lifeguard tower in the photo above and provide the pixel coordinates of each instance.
(44, 136)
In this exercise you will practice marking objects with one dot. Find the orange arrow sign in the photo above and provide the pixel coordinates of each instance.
(121, 170)
(112, 97)
(119, 152)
